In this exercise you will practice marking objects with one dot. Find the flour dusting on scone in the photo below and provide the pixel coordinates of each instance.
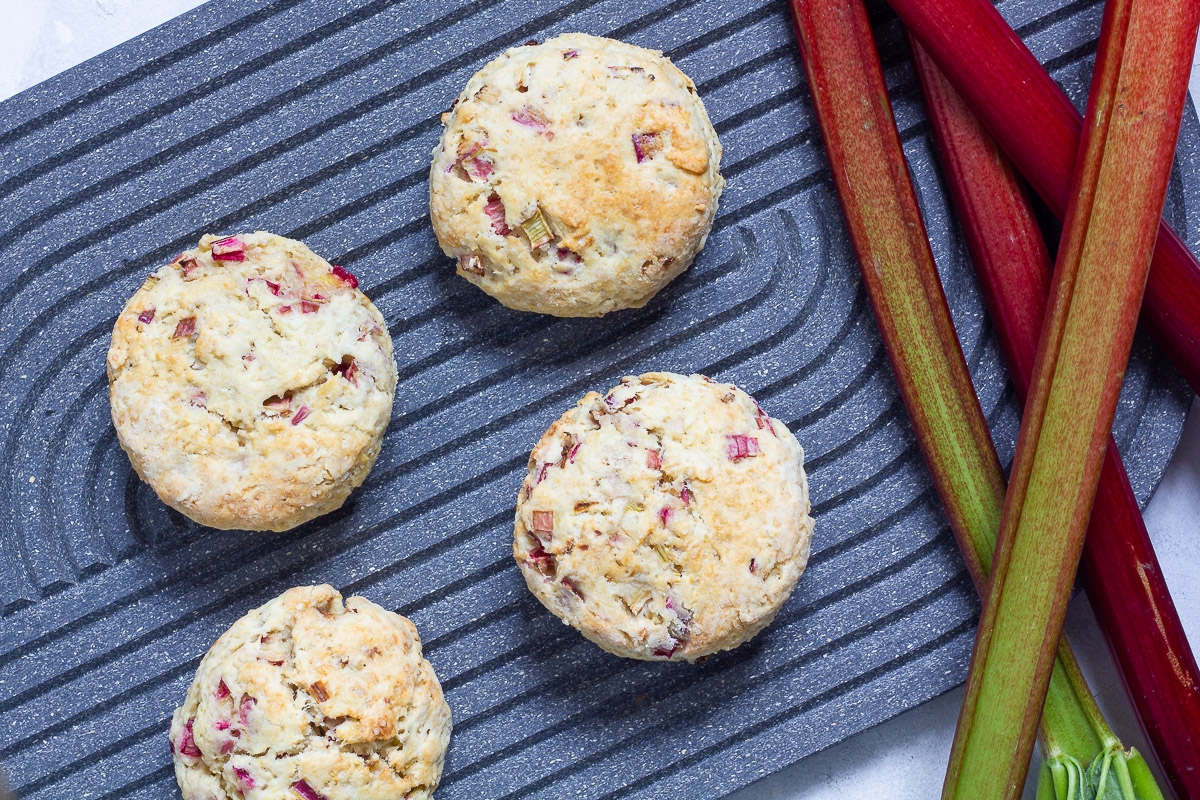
(309, 698)
(575, 177)
(668, 519)
(251, 382)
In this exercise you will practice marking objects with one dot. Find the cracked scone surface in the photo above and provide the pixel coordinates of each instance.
(307, 697)
(607, 142)
(251, 393)
(668, 519)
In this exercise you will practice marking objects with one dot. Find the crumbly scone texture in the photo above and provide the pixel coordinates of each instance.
(251, 393)
(668, 519)
(309, 697)
(607, 142)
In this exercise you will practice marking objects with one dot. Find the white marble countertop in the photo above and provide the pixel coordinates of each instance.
(903, 759)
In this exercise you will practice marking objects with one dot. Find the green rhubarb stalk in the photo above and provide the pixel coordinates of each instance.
(1119, 568)
(1134, 111)
(888, 235)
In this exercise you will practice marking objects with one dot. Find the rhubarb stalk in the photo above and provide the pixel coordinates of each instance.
(1036, 126)
(1134, 110)
(898, 270)
(1119, 569)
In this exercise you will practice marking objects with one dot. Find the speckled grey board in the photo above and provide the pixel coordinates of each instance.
(315, 119)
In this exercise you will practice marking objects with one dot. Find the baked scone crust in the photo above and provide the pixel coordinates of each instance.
(251, 393)
(609, 143)
(668, 519)
(308, 689)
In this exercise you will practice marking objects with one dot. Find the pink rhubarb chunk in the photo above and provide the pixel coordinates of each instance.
(740, 446)
(229, 249)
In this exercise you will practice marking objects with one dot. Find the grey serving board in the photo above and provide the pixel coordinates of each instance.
(315, 119)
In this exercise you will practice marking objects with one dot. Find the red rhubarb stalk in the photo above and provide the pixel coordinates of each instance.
(1035, 124)
(1134, 109)
(1119, 568)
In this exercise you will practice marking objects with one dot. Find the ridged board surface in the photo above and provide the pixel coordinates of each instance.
(315, 119)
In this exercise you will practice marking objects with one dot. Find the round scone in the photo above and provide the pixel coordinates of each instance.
(251, 383)
(668, 519)
(307, 697)
(575, 177)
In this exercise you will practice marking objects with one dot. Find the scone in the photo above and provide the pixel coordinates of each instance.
(251, 383)
(575, 177)
(668, 519)
(308, 698)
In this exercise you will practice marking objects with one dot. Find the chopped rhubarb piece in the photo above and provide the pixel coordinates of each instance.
(185, 328)
(664, 514)
(533, 118)
(471, 264)
(753, 566)
(653, 459)
(345, 276)
(221, 724)
(567, 582)
(569, 256)
(740, 447)
(537, 229)
(348, 369)
(187, 265)
(541, 476)
(227, 747)
(479, 168)
(303, 412)
(646, 146)
(542, 561)
(244, 780)
(187, 744)
(685, 495)
(663, 652)
(244, 708)
(309, 307)
(200, 400)
(230, 249)
(277, 403)
(470, 150)
(574, 450)
(569, 54)
(543, 521)
(495, 211)
(147, 316)
(272, 285)
(318, 691)
(306, 792)
(285, 309)
(764, 421)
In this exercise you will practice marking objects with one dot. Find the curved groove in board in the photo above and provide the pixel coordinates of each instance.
(15, 543)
